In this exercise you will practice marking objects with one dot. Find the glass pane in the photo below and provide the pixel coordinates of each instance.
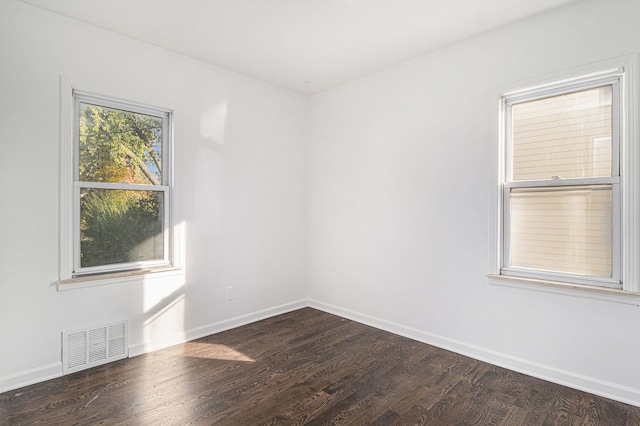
(119, 146)
(568, 136)
(562, 229)
(120, 226)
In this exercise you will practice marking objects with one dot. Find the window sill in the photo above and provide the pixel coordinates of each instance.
(117, 277)
(567, 289)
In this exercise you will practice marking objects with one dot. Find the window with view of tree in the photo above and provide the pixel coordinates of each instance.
(121, 186)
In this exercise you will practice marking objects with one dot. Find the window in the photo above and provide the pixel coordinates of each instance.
(121, 192)
(564, 174)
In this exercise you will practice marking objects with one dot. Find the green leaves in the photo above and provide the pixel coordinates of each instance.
(120, 226)
(117, 146)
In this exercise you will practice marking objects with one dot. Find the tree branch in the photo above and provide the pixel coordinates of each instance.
(143, 167)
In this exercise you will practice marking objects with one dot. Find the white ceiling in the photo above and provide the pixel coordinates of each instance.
(303, 45)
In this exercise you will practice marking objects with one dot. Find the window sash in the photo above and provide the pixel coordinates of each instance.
(165, 261)
(613, 79)
(616, 268)
(78, 270)
(86, 98)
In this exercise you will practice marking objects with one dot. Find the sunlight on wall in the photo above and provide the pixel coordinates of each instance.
(164, 311)
(208, 207)
(164, 301)
(212, 123)
(162, 307)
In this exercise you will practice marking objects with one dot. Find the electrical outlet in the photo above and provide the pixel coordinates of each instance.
(229, 292)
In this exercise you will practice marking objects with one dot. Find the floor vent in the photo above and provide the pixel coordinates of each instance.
(89, 347)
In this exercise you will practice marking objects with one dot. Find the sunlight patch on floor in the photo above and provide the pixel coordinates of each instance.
(216, 351)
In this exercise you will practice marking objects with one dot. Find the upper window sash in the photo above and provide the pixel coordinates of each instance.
(561, 87)
(607, 79)
(87, 98)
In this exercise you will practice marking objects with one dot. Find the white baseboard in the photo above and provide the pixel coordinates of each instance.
(51, 371)
(29, 377)
(570, 379)
(217, 327)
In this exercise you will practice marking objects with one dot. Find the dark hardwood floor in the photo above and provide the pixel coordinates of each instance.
(305, 367)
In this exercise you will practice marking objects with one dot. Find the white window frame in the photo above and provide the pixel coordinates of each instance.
(624, 181)
(71, 276)
(88, 98)
(612, 79)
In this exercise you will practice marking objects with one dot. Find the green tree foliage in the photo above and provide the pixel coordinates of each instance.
(118, 225)
(119, 146)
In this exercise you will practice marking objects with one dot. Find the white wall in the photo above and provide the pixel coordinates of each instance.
(400, 185)
(240, 193)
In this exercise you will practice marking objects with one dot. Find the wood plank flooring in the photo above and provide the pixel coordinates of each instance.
(305, 367)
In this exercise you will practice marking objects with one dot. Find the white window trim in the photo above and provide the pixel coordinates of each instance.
(68, 186)
(628, 187)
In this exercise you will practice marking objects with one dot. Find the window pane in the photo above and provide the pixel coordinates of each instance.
(564, 229)
(120, 226)
(119, 146)
(568, 136)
